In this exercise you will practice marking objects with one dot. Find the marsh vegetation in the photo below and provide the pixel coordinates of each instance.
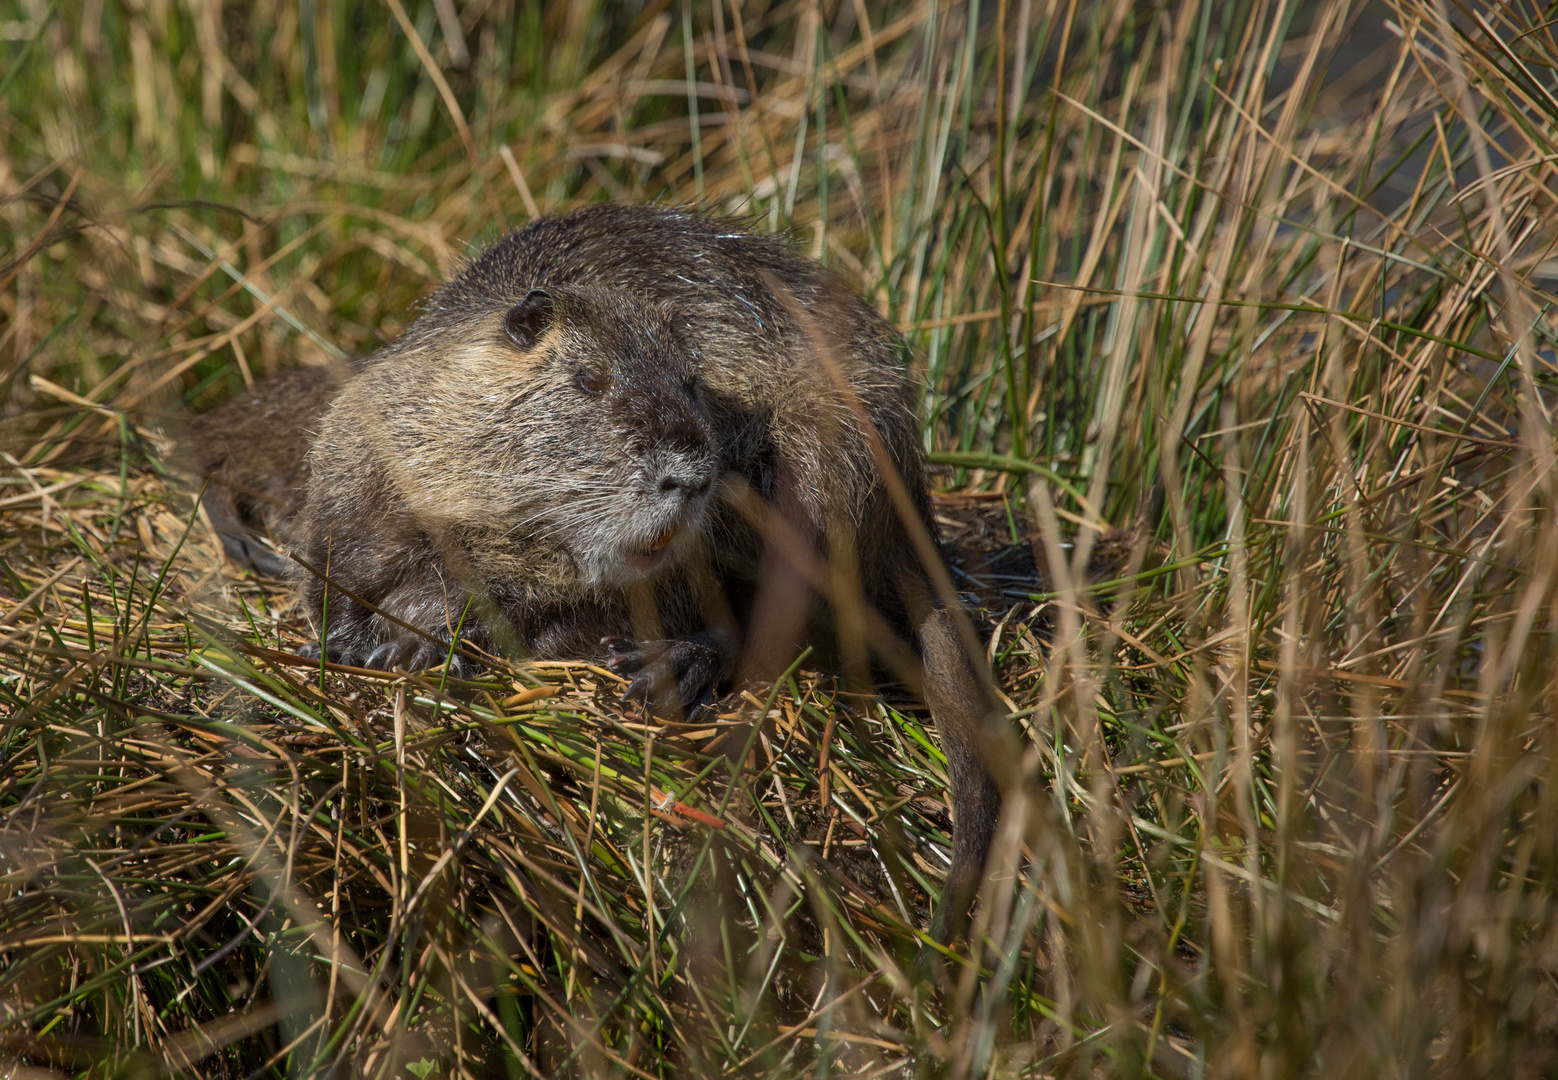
(1254, 294)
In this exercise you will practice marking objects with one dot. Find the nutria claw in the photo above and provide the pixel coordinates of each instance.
(404, 654)
(672, 675)
(396, 654)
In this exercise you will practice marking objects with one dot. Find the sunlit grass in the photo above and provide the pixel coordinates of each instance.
(1234, 317)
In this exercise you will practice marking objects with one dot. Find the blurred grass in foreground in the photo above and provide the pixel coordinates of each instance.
(1265, 285)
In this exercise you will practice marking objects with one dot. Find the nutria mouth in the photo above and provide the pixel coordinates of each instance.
(650, 556)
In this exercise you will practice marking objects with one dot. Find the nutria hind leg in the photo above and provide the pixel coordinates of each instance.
(968, 716)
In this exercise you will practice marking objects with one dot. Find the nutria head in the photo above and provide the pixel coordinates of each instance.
(569, 421)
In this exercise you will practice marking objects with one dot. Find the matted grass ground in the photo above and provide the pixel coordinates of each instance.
(1234, 318)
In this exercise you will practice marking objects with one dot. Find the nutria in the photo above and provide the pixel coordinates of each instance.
(646, 436)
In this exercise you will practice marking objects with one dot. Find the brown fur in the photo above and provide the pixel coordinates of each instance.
(251, 453)
(514, 458)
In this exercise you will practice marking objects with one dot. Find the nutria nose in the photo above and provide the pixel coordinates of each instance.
(689, 485)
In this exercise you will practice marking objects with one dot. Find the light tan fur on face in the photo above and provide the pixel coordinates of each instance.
(428, 459)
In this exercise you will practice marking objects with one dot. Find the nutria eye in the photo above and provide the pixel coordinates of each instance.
(588, 383)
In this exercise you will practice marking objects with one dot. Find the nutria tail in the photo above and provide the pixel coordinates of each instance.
(968, 719)
(243, 542)
(251, 455)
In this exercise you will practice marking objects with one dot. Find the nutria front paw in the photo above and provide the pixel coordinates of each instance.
(671, 676)
(336, 654)
(407, 653)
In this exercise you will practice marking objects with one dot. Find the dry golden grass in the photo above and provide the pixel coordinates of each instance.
(1262, 287)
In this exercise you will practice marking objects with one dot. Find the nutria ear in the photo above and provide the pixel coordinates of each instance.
(530, 318)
